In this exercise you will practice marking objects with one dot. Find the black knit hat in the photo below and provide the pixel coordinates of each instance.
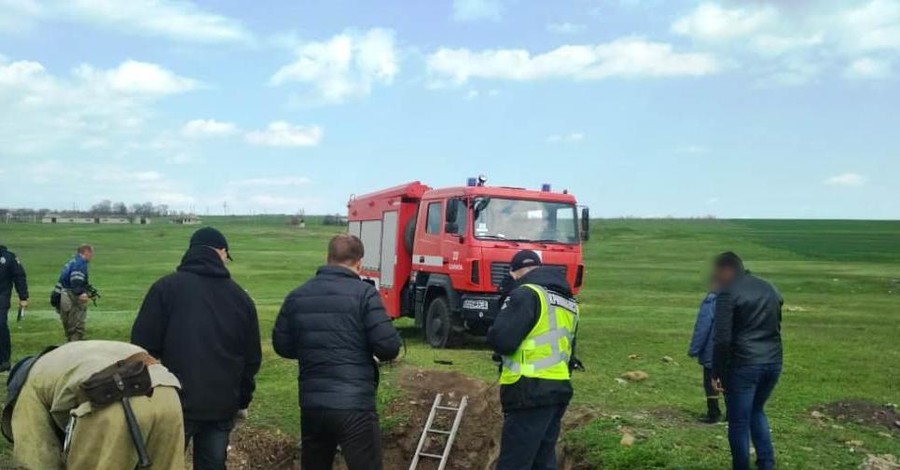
(524, 259)
(208, 236)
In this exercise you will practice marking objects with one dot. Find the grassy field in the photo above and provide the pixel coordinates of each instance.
(840, 280)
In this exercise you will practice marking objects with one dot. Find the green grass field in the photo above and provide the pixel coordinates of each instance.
(840, 281)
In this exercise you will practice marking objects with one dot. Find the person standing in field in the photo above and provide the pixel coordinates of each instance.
(336, 327)
(535, 336)
(70, 296)
(701, 348)
(203, 326)
(54, 425)
(747, 357)
(11, 273)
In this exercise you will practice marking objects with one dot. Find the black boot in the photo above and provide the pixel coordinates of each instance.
(713, 414)
(4, 367)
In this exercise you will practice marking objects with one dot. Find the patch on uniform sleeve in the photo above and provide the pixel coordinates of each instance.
(505, 304)
(2, 260)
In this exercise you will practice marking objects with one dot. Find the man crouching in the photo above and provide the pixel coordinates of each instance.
(54, 420)
(535, 336)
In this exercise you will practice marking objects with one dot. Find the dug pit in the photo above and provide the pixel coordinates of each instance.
(477, 442)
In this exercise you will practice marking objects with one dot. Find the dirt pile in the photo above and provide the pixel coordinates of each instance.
(477, 442)
(863, 412)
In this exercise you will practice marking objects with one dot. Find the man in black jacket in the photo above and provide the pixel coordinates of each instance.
(747, 357)
(535, 335)
(336, 327)
(203, 327)
(11, 273)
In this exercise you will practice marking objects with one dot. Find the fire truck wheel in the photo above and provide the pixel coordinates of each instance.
(438, 323)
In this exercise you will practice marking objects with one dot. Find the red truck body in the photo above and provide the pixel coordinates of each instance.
(439, 255)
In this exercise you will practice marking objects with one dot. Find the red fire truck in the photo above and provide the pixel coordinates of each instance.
(439, 255)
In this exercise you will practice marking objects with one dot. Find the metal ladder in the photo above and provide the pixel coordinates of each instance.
(451, 434)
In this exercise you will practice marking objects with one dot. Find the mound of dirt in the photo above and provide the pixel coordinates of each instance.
(477, 442)
(863, 412)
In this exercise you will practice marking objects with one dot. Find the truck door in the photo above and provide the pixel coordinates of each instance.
(427, 252)
(452, 244)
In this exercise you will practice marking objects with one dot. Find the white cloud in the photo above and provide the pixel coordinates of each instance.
(781, 43)
(475, 10)
(874, 25)
(89, 108)
(346, 66)
(712, 22)
(180, 20)
(275, 181)
(208, 128)
(133, 77)
(846, 179)
(628, 57)
(283, 134)
(569, 138)
(566, 28)
(868, 68)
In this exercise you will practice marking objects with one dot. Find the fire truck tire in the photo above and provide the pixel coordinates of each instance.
(439, 324)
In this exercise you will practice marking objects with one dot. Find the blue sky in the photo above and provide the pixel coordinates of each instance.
(639, 107)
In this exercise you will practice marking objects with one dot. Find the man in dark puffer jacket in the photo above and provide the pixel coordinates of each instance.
(336, 325)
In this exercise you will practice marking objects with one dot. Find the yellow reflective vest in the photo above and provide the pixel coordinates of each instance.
(545, 352)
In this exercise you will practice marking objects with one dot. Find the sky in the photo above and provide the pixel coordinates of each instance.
(640, 108)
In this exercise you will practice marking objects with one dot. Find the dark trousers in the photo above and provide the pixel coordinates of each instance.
(529, 438)
(711, 393)
(5, 343)
(746, 390)
(356, 432)
(210, 442)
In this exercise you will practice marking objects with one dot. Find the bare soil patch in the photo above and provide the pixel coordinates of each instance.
(477, 442)
(863, 412)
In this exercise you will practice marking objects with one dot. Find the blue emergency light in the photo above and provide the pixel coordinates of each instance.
(545, 188)
(471, 181)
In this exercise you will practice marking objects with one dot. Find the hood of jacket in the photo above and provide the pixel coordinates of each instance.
(204, 261)
(548, 277)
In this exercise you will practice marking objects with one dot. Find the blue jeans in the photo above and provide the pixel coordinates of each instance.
(746, 390)
(210, 442)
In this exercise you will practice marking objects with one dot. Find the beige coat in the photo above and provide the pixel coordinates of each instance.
(51, 396)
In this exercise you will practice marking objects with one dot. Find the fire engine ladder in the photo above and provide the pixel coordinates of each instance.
(451, 434)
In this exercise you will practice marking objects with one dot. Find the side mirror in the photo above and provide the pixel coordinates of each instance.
(585, 224)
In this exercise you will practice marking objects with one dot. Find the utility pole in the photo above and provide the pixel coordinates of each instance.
(224, 207)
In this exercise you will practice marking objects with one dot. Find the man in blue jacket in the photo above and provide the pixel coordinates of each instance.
(70, 295)
(335, 326)
(12, 273)
(702, 349)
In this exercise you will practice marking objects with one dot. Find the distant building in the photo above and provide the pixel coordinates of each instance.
(94, 219)
(186, 220)
(335, 219)
(69, 219)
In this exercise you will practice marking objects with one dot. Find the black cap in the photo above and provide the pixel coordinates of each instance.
(524, 259)
(208, 236)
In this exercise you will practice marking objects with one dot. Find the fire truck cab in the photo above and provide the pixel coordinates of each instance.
(439, 255)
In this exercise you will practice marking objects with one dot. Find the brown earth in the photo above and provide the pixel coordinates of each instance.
(477, 441)
(863, 412)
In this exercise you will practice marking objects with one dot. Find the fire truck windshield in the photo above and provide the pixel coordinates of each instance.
(523, 220)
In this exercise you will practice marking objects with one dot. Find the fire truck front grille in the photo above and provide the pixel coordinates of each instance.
(500, 270)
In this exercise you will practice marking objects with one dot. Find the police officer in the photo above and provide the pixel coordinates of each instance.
(70, 295)
(535, 335)
(11, 273)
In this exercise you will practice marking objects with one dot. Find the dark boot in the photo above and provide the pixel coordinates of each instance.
(713, 414)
